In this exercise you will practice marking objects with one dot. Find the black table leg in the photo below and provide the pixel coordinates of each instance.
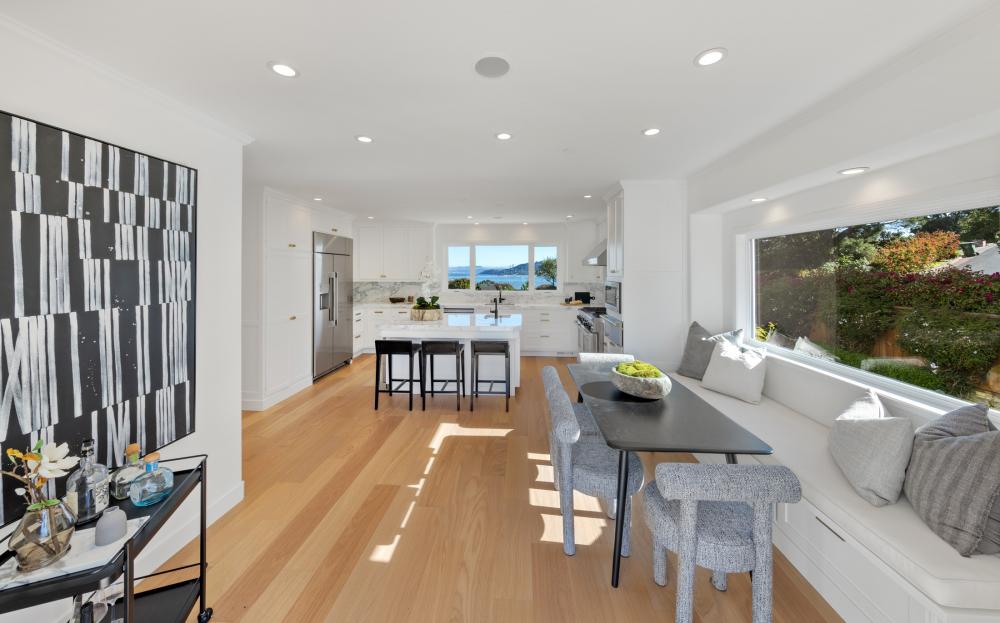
(731, 458)
(616, 560)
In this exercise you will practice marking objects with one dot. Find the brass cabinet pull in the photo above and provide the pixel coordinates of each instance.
(333, 229)
(291, 317)
(357, 337)
(291, 245)
(378, 312)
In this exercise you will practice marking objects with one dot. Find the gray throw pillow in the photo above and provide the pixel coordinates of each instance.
(698, 349)
(954, 476)
(872, 449)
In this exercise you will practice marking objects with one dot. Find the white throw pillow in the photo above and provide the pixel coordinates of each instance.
(872, 449)
(735, 371)
(805, 346)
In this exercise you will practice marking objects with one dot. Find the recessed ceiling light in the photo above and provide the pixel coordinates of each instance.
(283, 70)
(853, 171)
(587, 196)
(363, 139)
(317, 199)
(758, 200)
(569, 216)
(651, 131)
(371, 218)
(710, 57)
(476, 223)
(492, 67)
(504, 136)
(469, 217)
(525, 223)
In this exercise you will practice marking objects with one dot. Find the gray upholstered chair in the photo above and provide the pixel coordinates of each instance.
(588, 426)
(718, 517)
(614, 358)
(604, 358)
(587, 465)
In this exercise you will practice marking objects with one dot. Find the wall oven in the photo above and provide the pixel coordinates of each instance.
(613, 297)
(614, 339)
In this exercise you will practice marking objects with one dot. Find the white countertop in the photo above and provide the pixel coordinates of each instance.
(458, 324)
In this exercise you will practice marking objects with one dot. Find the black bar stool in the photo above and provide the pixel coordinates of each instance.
(429, 348)
(390, 348)
(490, 347)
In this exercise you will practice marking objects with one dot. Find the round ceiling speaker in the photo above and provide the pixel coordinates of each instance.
(492, 67)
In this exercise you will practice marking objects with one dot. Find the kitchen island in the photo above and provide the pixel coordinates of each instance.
(464, 328)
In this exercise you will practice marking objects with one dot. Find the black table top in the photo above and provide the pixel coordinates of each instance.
(681, 422)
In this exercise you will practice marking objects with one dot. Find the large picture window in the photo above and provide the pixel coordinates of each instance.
(517, 267)
(915, 299)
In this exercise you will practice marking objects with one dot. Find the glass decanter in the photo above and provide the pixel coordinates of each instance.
(87, 487)
(152, 486)
(122, 479)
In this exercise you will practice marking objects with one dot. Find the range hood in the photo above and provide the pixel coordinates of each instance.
(598, 256)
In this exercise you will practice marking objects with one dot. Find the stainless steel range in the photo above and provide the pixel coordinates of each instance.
(590, 329)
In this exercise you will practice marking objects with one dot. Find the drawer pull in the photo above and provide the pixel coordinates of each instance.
(546, 320)
(378, 312)
(825, 525)
(334, 229)
(544, 336)
(291, 317)
(291, 245)
(357, 337)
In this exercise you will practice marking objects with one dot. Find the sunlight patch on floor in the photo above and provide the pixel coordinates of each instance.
(545, 474)
(586, 529)
(452, 429)
(383, 553)
(547, 498)
(538, 456)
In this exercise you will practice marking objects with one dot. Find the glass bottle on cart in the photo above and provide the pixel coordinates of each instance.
(87, 487)
(152, 486)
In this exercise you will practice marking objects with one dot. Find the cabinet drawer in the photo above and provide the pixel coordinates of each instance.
(871, 587)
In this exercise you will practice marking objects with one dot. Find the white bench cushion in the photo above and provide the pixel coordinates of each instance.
(893, 533)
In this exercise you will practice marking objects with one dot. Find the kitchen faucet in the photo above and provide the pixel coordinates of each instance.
(496, 303)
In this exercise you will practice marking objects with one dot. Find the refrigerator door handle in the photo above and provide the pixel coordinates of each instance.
(333, 299)
(336, 299)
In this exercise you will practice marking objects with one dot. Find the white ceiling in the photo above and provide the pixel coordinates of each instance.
(586, 78)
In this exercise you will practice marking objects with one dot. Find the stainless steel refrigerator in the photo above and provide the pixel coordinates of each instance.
(333, 306)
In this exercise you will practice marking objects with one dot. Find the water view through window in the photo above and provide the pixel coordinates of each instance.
(508, 267)
(916, 299)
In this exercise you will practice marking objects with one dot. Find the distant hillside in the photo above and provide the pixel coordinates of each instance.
(520, 269)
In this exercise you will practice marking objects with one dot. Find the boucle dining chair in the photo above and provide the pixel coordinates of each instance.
(586, 465)
(718, 517)
(588, 426)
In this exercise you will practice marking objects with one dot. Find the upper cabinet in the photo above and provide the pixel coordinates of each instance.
(616, 236)
(288, 227)
(392, 252)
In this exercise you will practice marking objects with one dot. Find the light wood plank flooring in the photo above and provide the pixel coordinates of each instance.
(357, 515)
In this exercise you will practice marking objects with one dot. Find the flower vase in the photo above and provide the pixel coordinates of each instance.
(42, 537)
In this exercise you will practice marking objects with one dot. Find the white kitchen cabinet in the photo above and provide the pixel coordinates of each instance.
(328, 221)
(288, 227)
(616, 237)
(288, 335)
(392, 252)
(548, 331)
(396, 254)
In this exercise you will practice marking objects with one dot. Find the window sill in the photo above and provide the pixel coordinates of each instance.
(896, 389)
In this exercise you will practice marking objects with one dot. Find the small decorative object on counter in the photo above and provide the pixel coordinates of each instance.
(111, 527)
(396, 299)
(87, 489)
(152, 486)
(640, 379)
(124, 475)
(426, 310)
(43, 535)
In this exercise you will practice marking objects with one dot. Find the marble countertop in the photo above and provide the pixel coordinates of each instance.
(460, 323)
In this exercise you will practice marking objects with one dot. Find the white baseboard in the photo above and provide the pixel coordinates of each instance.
(266, 402)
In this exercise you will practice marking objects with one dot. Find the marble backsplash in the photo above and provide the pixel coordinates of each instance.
(380, 291)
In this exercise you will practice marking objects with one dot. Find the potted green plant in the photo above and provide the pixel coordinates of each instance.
(426, 310)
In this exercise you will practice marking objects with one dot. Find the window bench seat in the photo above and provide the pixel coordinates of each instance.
(869, 563)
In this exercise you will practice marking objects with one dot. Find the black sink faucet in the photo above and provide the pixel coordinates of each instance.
(496, 303)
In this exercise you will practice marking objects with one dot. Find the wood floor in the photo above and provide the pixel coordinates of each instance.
(357, 515)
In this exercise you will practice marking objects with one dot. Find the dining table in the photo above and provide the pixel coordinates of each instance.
(682, 421)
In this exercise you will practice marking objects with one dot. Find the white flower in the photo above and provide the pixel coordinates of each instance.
(55, 461)
(19, 491)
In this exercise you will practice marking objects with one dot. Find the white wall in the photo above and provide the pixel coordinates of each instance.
(45, 82)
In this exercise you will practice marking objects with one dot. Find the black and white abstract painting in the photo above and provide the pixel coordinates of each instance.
(97, 305)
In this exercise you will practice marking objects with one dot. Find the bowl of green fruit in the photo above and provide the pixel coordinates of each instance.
(640, 379)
